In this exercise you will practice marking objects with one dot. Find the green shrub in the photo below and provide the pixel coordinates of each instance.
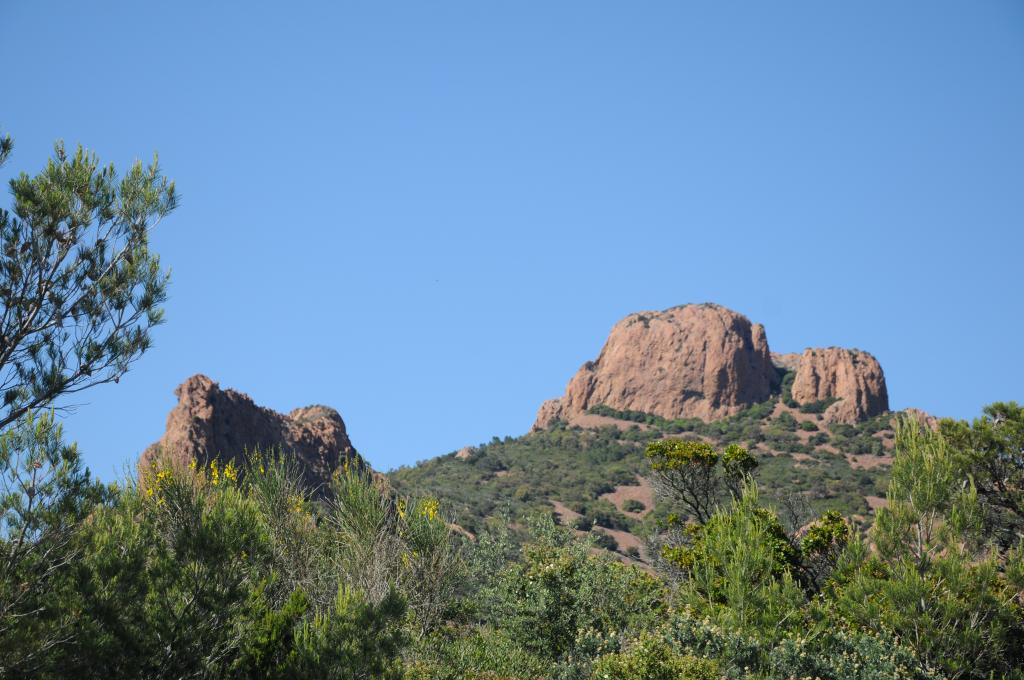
(825, 651)
(785, 422)
(934, 580)
(740, 569)
(483, 653)
(634, 505)
(652, 658)
(45, 494)
(606, 541)
(583, 523)
(840, 655)
(559, 598)
(787, 389)
(818, 406)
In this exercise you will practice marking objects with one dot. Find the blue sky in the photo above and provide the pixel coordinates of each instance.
(429, 214)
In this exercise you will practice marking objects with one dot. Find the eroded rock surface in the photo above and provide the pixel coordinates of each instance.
(694, 361)
(852, 377)
(213, 423)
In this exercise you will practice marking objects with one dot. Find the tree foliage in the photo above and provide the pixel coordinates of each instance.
(79, 288)
(45, 495)
(993, 453)
(696, 476)
(937, 580)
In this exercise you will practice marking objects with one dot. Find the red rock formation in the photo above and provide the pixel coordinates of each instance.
(210, 423)
(702, 361)
(786, 362)
(852, 377)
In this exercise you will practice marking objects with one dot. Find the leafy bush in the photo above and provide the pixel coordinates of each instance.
(634, 505)
(558, 598)
(482, 652)
(828, 653)
(787, 389)
(740, 568)
(785, 422)
(652, 658)
(818, 406)
(583, 523)
(841, 655)
(606, 541)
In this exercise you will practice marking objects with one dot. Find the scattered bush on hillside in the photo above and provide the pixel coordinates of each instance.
(633, 505)
(583, 523)
(818, 406)
(605, 541)
(818, 439)
(787, 389)
(784, 422)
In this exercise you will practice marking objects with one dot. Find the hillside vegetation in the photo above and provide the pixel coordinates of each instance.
(804, 465)
(219, 572)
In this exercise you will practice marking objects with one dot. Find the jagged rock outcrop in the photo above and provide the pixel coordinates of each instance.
(210, 422)
(786, 362)
(694, 361)
(852, 377)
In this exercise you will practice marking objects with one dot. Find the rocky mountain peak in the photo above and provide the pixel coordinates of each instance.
(213, 423)
(705, 361)
(693, 361)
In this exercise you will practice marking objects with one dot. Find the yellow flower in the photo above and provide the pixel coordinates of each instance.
(230, 472)
(428, 508)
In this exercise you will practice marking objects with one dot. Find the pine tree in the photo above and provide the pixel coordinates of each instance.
(79, 288)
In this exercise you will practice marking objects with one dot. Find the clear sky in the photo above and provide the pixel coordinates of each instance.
(429, 214)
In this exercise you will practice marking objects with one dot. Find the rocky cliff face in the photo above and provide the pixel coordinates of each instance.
(708, 362)
(852, 377)
(694, 361)
(210, 423)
